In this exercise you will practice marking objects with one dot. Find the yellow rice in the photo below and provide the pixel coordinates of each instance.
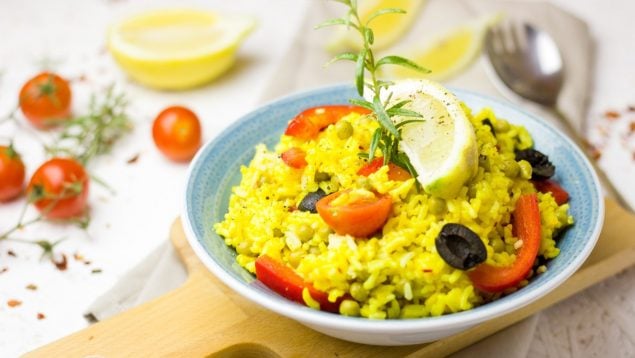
(398, 273)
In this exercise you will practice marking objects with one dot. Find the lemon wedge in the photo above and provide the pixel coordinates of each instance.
(442, 148)
(177, 49)
(387, 28)
(448, 54)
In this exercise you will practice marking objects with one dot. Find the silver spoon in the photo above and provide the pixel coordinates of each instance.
(529, 63)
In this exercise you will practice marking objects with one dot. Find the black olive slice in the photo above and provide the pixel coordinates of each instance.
(309, 201)
(541, 167)
(460, 247)
(488, 123)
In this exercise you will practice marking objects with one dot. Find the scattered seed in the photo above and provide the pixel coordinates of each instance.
(95, 271)
(14, 303)
(40, 316)
(62, 264)
(4, 269)
(611, 115)
(31, 287)
(133, 159)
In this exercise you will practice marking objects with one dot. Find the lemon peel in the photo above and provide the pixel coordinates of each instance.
(448, 54)
(178, 49)
(442, 148)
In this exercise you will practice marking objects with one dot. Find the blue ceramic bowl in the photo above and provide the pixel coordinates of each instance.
(215, 170)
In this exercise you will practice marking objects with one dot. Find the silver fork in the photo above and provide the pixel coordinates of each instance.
(528, 62)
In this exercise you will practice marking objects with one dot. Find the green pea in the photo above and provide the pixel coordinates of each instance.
(501, 126)
(295, 257)
(525, 169)
(305, 232)
(344, 129)
(349, 308)
(498, 245)
(511, 168)
(437, 206)
(243, 248)
(358, 292)
(321, 176)
(394, 310)
(483, 162)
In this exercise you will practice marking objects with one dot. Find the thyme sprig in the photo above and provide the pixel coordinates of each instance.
(87, 136)
(69, 190)
(387, 136)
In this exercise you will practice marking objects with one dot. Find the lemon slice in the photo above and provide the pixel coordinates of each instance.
(442, 148)
(387, 28)
(448, 54)
(178, 49)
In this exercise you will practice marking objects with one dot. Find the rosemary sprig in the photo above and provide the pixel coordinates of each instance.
(87, 136)
(69, 190)
(388, 135)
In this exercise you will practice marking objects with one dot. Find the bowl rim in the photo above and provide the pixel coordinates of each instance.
(318, 318)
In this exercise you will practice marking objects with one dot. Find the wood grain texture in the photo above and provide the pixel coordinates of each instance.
(204, 317)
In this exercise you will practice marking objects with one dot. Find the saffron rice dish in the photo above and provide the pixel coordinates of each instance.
(396, 271)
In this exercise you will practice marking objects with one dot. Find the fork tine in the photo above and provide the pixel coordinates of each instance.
(493, 41)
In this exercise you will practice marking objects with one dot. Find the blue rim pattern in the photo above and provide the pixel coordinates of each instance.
(216, 169)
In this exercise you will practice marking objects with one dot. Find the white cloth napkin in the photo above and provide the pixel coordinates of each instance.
(301, 68)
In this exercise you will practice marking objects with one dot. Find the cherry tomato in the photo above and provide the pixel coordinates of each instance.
(294, 157)
(177, 133)
(359, 218)
(59, 188)
(549, 186)
(45, 100)
(283, 280)
(526, 224)
(308, 124)
(395, 172)
(11, 173)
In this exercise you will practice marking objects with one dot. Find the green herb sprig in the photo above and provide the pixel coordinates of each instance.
(90, 135)
(387, 136)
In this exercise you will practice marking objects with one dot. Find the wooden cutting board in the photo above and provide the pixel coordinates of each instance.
(205, 318)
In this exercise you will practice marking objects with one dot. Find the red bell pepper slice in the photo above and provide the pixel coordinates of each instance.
(359, 219)
(395, 172)
(526, 223)
(284, 281)
(294, 157)
(550, 186)
(308, 124)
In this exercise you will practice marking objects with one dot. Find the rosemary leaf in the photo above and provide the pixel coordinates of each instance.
(380, 12)
(400, 61)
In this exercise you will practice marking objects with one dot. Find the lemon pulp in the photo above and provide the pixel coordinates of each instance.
(387, 28)
(448, 54)
(177, 49)
(442, 147)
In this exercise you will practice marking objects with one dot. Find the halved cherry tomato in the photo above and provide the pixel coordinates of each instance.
(395, 172)
(177, 133)
(283, 280)
(550, 186)
(45, 100)
(526, 223)
(360, 218)
(294, 157)
(11, 173)
(308, 124)
(59, 188)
